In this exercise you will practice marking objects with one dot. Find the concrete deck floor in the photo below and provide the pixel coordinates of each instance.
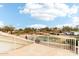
(39, 50)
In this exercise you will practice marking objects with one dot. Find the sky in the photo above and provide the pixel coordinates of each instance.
(39, 15)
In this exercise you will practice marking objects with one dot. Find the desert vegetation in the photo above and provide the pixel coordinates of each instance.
(12, 30)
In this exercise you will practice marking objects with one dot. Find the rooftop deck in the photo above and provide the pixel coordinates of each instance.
(39, 50)
(32, 49)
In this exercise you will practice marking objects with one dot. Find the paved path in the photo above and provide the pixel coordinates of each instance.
(39, 50)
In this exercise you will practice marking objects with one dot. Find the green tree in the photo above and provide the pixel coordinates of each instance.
(8, 29)
(46, 29)
(66, 29)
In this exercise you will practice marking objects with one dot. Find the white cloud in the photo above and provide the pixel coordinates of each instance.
(49, 11)
(75, 20)
(39, 1)
(74, 9)
(1, 24)
(37, 26)
(61, 25)
(1, 5)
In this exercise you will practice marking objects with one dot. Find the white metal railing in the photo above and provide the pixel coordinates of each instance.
(72, 48)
